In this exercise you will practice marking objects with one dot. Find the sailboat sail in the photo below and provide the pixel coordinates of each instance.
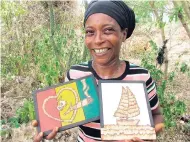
(128, 106)
(123, 104)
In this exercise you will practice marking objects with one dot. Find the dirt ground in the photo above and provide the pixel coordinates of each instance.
(14, 91)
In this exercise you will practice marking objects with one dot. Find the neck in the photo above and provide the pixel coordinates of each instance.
(110, 70)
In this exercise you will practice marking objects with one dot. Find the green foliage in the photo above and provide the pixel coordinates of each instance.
(178, 11)
(15, 64)
(48, 51)
(14, 122)
(29, 50)
(172, 108)
(184, 67)
(161, 24)
(2, 122)
(14, 42)
(148, 60)
(144, 12)
(5, 132)
(25, 113)
(10, 10)
(174, 15)
(153, 46)
(171, 76)
(69, 49)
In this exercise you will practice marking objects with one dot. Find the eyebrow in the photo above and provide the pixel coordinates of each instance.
(102, 26)
(109, 25)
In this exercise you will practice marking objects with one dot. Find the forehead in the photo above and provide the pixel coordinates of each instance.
(100, 19)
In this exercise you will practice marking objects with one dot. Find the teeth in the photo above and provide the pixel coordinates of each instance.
(100, 50)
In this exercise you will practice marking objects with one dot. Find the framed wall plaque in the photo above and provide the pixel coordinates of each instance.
(125, 111)
(67, 105)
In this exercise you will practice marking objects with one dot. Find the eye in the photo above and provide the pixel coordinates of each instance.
(89, 32)
(109, 30)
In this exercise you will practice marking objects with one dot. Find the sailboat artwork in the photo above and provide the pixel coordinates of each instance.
(127, 120)
(127, 108)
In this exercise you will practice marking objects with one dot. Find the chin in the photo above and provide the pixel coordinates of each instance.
(103, 61)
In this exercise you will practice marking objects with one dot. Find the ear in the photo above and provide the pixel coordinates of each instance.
(124, 34)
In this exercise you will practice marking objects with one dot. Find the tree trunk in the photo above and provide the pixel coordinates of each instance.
(85, 3)
(166, 60)
(159, 20)
(181, 18)
(52, 28)
(186, 8)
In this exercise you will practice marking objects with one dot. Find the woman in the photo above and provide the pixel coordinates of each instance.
(108, 24)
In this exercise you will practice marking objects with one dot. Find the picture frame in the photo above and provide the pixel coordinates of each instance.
(125, 110)
(67, 105)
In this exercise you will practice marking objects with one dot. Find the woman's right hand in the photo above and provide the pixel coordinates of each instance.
(39, 136)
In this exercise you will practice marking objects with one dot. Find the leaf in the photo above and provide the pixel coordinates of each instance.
(171, 76)
(14, 122)
(2, 121)
(184, 67)
(44, 68)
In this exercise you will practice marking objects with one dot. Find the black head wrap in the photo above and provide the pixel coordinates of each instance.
(118, 10)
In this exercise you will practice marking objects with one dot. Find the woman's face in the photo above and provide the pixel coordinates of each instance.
(103, 38)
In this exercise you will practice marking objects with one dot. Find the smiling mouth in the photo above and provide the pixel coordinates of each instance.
(101, 51)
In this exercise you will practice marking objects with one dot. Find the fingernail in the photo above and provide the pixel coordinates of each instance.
(41, 134)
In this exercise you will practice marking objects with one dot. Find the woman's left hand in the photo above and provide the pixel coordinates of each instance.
(137, 140)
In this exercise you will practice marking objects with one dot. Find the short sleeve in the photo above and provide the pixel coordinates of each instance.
(67, 77)
(151, 90)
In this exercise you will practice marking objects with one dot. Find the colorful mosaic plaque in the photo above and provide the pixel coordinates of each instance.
(67, 105)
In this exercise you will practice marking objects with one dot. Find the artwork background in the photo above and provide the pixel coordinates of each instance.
(111, 93)
(47, 123)
(69, 97)
(92, 110)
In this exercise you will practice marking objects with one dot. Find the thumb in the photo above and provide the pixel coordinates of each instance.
(159, 127)
(34, 123)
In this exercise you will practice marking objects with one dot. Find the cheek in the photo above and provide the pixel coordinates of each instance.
(117, 44)
(87, 42)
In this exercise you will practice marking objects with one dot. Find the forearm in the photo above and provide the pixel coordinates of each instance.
(158, 120)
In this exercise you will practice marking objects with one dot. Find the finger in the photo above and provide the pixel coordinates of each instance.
(159, 127)
(34, 123)
(135, 139)
(34, 137)
(52, 134)
(128, 141)
(38, 137)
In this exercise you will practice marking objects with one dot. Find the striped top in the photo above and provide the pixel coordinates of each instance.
(91, 132)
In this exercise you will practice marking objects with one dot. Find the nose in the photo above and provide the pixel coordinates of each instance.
(98, 38)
